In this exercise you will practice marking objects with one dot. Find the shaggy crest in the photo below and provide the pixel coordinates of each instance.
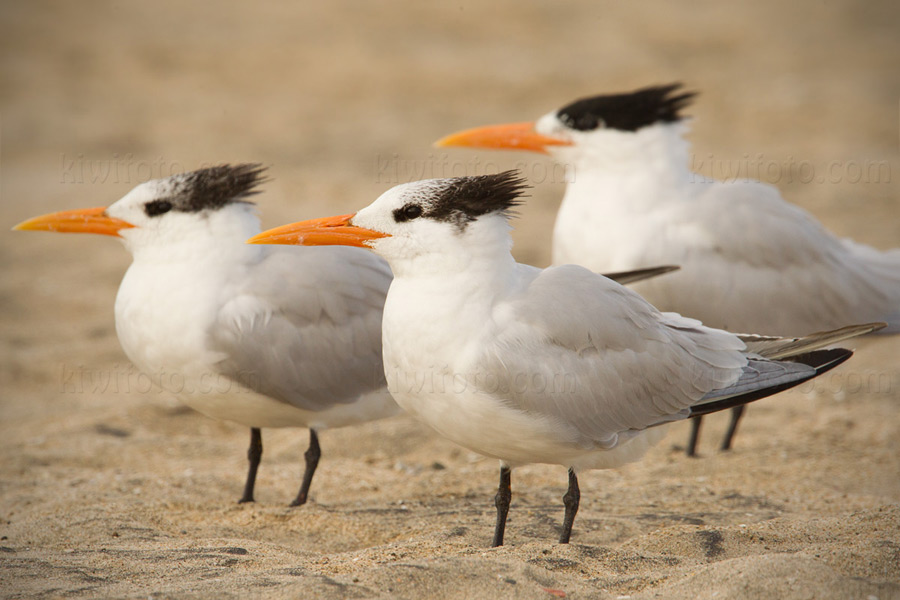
(627, 112)
(210, 188)
(461, 200)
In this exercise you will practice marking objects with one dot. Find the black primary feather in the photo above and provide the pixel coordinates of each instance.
(461, 200)
(627, 112)
(209, 189)
(820, 360)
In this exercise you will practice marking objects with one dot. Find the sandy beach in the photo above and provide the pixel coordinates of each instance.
(111, 488)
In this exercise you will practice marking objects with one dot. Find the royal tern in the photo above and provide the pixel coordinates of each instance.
(749, 260)
(264, 337)
(559, 366)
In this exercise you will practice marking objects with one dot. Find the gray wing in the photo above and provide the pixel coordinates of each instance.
(304, 326)
(744, 250)
(592, 355)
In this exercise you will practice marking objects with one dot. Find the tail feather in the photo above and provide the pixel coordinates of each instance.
(778, 348)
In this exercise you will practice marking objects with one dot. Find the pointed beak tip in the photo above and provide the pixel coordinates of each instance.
(259, 238)
(32, 224)
(282, 235)
(444, 142)
(473, 138)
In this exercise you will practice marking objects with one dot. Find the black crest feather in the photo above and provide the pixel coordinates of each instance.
(464, 199)
(214, 187)
(627, 112)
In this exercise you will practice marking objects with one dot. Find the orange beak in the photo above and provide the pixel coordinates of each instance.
(330, 231)
(85, 220)
(514, 136)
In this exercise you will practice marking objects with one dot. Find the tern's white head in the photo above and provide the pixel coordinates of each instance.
(597, 131)
(165, 214)
(424, 225)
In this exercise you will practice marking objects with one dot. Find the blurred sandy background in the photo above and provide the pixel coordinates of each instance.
(111, 490)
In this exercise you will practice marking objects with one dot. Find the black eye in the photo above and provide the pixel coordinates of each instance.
(157, 207)
(408, 213)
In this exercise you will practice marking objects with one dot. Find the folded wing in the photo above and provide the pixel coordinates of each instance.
(304, 326)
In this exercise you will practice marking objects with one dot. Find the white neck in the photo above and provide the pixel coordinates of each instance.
(484, 242)
(619, 181)
(458, 285)
(215, 236)
(629, 168)
(170, 296)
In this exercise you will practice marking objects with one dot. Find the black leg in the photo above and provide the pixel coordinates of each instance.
(570, 500)
(501, 500)
(695, 433)
(254, 454)
(312, 455)
(736, 414)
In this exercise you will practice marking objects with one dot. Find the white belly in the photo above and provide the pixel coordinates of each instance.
(481, 423)
(218, 397)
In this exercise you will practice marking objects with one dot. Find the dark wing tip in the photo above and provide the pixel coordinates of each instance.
(820, 360)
